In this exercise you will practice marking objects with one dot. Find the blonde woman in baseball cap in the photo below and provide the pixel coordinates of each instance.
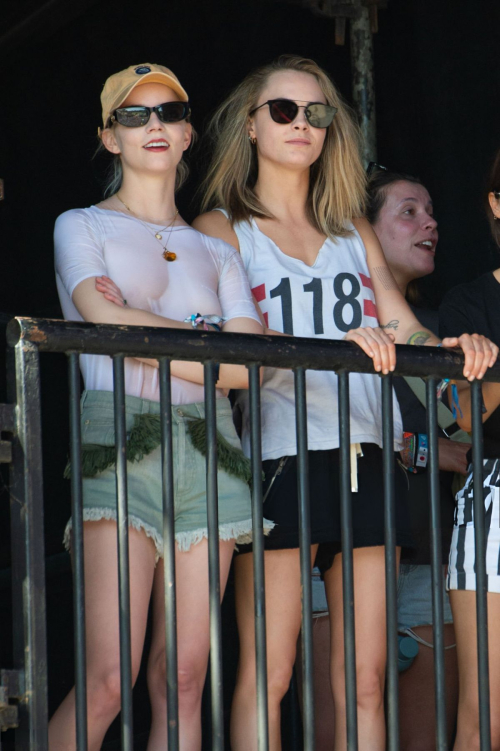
(172, 276)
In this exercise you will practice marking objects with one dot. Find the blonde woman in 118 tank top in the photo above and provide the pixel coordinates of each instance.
(286, 188)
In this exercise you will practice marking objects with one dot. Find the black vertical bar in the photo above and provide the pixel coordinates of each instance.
(347, 562)
(127, 732)
(213, 562)
(436, 567)
(258, 560)
(77, 550)
(28, 549)
(390, 567)
(169, 555)
(480, 567)
(305, 559)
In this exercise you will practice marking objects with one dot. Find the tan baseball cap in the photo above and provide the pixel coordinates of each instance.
(119, 85)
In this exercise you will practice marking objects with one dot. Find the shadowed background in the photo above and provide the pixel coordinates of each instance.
(437, 80)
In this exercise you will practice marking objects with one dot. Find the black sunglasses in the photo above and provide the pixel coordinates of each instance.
(138, 115)
(284, 111)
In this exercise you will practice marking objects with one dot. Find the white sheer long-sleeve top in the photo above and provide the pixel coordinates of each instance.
(207, 277)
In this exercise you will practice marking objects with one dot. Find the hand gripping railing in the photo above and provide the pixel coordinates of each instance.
(31, 336)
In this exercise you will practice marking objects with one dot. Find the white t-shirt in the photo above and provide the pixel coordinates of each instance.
(324, 300)
(207, 277)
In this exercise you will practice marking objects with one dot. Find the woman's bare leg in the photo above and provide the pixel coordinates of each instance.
(193, 643)
(283, 615)
(370, 636)
(102, 631)
(463, 605)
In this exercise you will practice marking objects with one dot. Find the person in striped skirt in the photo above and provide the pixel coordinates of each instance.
(475, 306)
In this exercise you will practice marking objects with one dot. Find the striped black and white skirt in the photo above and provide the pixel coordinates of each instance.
(462, 564)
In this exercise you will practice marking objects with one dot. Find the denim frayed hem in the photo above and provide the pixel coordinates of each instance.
(240, 531)
(100, 513)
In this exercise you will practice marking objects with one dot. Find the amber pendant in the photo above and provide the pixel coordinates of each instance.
(168, 255)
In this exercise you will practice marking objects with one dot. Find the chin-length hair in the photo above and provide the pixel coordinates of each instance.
(337, 178)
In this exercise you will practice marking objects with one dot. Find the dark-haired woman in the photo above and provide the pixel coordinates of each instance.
(168, 274)
(288, 184)
(401, 212)
(475, 306)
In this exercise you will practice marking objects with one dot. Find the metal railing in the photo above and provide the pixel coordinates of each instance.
(29, 337)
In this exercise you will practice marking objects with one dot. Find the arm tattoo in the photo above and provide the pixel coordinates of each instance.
(385, 276)
(419, 338)
(391, 325)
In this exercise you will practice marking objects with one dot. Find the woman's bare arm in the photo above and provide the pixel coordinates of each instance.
(396, 316)
(96, 307)
(216, 224)
(394, 313)
(491, 399)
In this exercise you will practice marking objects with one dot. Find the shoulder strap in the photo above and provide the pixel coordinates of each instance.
(244, 232)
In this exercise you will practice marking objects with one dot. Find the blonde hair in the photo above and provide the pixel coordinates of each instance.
(337, 178)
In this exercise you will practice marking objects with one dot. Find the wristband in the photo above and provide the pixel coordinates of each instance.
(442, 385)
(207, 320)
(414, 454)
(441, 388)
(455, 405)
(422, 451)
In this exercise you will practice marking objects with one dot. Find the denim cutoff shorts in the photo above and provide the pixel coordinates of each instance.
(144, 477)
(415, 597)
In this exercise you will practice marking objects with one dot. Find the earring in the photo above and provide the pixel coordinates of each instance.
(253, 141)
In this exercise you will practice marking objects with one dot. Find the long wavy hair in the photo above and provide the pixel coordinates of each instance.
(337, 178)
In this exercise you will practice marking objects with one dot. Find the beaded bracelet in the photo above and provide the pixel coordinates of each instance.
(207, 320)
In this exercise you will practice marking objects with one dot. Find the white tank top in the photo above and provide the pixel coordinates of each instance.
(324, 300)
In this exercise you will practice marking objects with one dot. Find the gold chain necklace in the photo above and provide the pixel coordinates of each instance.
(168, 255)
